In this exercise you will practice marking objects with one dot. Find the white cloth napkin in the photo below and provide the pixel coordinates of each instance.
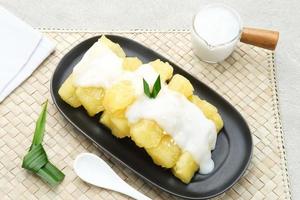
(22, 50)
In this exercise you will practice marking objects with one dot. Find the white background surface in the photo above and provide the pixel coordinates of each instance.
(280, 15)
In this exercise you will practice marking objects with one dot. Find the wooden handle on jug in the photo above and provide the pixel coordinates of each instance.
(259, 37)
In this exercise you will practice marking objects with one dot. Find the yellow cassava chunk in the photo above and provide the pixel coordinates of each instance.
(185, 167)
(119, 96)
(163, 68)
(115, 47)
(91, 99)
(146, 133)
(217, 119)
(67, 93)
(131, 63)
(166, 153)
(105, 119)
(181, 84)
(209, 110)
(119, 124)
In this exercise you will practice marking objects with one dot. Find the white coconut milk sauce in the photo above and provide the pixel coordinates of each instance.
(101, 67)
(183, 120)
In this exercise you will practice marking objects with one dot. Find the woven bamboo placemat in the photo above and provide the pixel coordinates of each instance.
(246, 79)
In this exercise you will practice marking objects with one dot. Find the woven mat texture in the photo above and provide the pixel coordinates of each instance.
(246, 79)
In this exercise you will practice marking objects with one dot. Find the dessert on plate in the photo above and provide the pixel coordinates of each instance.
(176, 128)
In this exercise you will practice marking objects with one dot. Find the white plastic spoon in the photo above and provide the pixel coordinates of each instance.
(92, 169)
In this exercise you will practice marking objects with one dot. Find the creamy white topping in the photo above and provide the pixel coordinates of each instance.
(183, 120)
(101, 67)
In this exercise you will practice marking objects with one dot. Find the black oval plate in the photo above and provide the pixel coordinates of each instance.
(234, 144)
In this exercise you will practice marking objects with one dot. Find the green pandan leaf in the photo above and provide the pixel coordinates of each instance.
(156, 87)
(36, 159)
(155, 90)
(146, 88)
